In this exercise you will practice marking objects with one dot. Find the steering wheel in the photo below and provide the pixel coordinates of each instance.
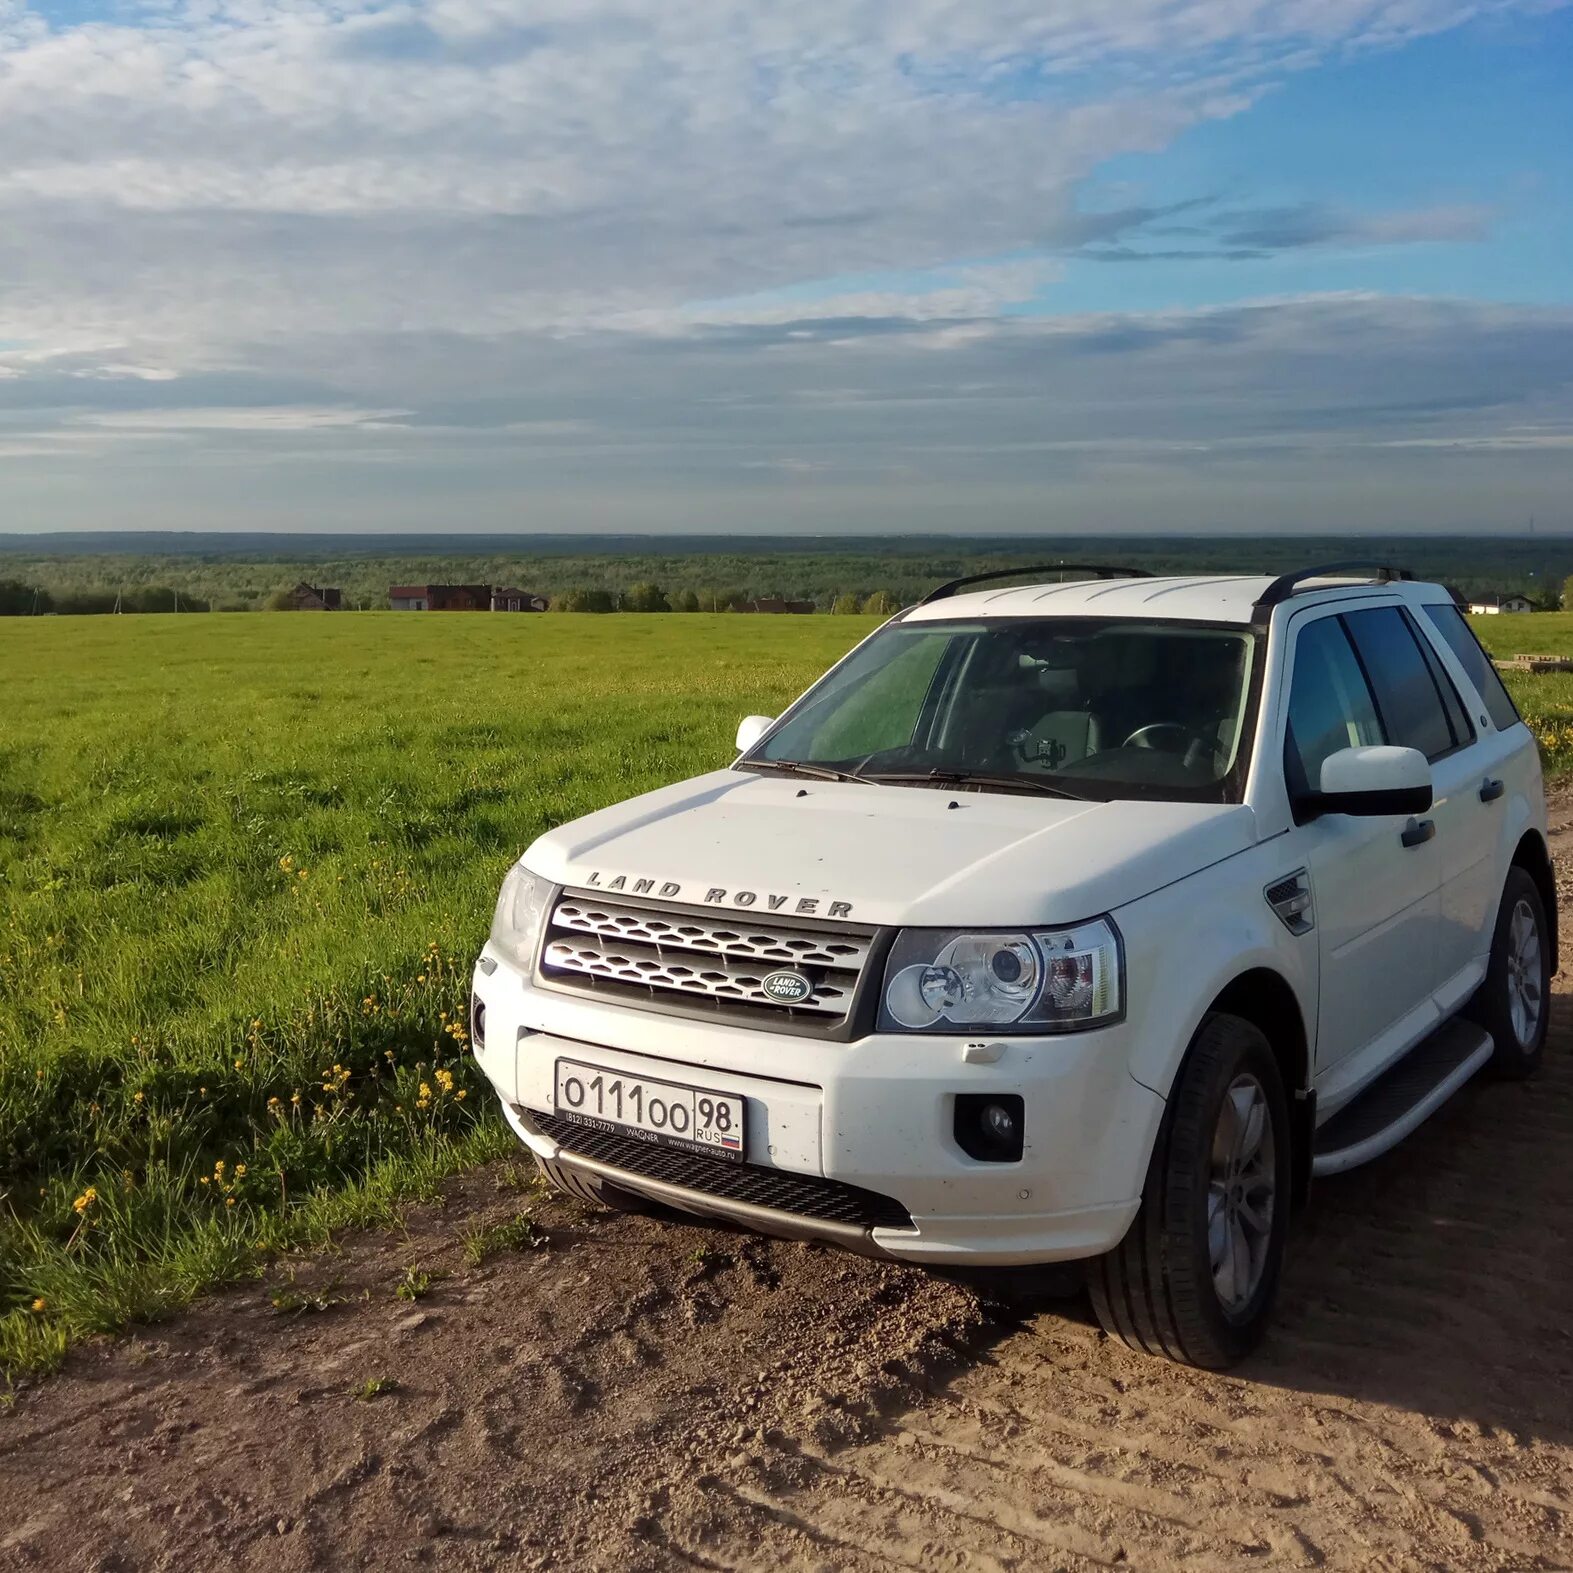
(1189, 741)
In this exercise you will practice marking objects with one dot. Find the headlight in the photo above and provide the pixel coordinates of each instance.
(521, 909)
(1043, 980)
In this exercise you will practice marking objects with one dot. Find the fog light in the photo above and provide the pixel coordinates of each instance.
(999, 1122)
(477, 1023)
(989, 1126)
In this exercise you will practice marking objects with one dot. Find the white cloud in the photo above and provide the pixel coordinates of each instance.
(960, 292)
(1354, 411)
(264, 418)
(1492, 442)
(503, 239)
(280, 167)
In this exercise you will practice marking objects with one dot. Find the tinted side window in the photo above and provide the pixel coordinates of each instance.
(1449, 622)
(1329, 704)
(1457, 716)
(1406, 693)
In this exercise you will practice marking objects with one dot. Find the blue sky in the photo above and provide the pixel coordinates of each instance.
(735, 266)
(1475, 117)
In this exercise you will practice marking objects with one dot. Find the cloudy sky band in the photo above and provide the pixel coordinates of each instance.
(618, 264)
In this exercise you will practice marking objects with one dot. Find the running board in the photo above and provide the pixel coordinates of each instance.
(1404, 1095)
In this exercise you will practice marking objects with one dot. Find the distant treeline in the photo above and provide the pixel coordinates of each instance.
(241, 574)
(18, 599)
(27, 600)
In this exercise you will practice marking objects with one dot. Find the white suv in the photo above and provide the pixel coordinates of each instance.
(1077, 922)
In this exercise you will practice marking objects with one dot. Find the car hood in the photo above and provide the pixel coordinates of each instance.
(887, 854)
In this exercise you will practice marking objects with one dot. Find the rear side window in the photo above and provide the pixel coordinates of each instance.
(1330, 706)
(1407, 696)
(1449, 622)
(1457, 716)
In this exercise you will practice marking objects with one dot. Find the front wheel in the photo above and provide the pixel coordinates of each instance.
(1196, 1274)
(1512, 1002)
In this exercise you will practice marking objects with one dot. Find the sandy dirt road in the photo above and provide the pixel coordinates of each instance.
(636, 1394)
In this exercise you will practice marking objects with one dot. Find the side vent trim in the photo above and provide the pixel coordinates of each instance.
(1290, 898)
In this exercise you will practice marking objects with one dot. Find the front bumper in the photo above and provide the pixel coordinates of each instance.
(876, 1113)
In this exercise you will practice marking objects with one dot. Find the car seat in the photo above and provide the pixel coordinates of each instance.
(1064, 730)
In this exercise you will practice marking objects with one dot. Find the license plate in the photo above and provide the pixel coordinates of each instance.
(663, 1112)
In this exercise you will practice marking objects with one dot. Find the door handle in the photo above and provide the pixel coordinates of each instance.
(1491, 790)
(1417, 832)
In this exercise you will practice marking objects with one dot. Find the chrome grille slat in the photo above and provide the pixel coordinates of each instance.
(715, 976)
(729, 936)
(719, 959)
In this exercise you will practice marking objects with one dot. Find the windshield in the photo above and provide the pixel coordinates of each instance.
(1088, 707)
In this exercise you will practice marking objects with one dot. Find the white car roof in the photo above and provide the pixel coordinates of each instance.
(1215, 598)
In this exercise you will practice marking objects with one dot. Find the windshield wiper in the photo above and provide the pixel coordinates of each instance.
(801, 767)
(976, 778)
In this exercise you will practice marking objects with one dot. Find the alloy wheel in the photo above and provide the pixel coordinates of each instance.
(1241, 1193)
(1525, 983)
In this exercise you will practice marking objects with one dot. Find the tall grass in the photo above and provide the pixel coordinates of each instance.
(244, 866)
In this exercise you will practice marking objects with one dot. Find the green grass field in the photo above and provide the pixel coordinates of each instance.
(246, 863)
(1545, 701)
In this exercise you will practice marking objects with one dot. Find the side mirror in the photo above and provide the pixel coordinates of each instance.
(1373, 781)
(753, 727)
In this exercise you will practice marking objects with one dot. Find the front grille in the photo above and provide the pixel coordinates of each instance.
(805, 1195)
(714, 959)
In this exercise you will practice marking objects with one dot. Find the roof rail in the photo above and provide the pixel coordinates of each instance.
(1285, 585)
(1089, 570)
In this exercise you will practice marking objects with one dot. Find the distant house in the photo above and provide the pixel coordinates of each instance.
(1489, 605)
(440, 598)
(309, 598)
(504, 600)
(773, 603)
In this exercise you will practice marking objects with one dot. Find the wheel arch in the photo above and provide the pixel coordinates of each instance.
(1267, 1000)
(1532, 856)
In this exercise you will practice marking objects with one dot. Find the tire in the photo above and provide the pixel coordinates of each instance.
(1156, 1291)
(1519, 1044)
(587, 1188)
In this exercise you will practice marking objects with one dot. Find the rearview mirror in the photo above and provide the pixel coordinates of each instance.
(750, 729)
(1373, 781)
